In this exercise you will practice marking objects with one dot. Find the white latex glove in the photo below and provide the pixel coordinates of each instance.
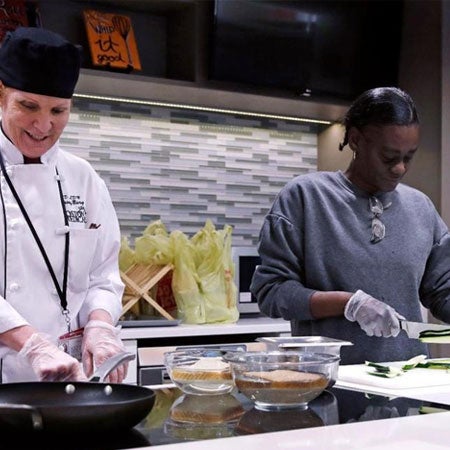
(100, 342)
(49, 362)
(373, 316)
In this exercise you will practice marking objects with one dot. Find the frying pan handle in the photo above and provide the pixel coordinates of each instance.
(36, 417)
(109, 365)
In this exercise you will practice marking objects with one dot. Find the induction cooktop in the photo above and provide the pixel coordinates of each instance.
(177, 417)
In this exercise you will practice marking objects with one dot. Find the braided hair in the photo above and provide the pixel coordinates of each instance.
(380, 106)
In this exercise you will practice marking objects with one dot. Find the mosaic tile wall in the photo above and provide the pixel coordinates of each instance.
(184, 167)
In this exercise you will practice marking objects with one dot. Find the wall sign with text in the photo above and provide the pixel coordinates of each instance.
(111, 40)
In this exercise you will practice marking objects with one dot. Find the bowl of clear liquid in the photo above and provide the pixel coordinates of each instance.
(199, 372)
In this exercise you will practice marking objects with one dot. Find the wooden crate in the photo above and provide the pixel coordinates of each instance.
(139, 280)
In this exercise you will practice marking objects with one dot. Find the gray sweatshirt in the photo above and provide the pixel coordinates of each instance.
(316, 237)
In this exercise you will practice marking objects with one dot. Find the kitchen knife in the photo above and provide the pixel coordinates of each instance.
(413, 329)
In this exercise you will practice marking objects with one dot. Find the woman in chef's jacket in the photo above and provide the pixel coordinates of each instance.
(60, 288)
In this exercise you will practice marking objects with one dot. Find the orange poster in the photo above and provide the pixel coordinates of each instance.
(13, 14)
(111, 40)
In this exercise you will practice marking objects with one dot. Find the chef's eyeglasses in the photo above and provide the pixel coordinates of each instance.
(378, 227)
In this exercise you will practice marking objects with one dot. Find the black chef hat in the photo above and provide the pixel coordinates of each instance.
(39, 61)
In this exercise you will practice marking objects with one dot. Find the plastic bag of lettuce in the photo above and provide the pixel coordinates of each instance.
(154, 246)
(203, 275)
(215, 271)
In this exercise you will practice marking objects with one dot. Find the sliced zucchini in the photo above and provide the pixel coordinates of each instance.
(385, 374)
(431, 409)
(419, 361)
(383, 370)
(387, 371)
(435, 339)
(414, 362)
(434, 365)
(379, 367)
(435, 336)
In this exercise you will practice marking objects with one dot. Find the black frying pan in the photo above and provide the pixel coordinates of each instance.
(74, 407)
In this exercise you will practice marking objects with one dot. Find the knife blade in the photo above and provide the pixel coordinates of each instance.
(413, 329)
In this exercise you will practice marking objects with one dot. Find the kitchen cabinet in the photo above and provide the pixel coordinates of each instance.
(173, 40)
(197, 96)
(171, 34)
(159, 339)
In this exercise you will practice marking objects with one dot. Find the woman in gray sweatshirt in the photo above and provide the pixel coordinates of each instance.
(346, 254)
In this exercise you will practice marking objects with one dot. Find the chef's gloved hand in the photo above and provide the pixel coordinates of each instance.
(373, 316)
(100, 342)
(49, 362)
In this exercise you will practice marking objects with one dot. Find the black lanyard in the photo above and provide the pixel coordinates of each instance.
(62, 292)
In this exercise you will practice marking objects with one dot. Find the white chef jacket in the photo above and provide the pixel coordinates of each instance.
(27, 292)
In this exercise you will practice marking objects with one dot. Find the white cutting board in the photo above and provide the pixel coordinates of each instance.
(414, 378)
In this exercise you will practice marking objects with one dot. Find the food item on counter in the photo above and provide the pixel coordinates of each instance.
(435, 336)
(206, 409)
(440, 364)
(383, 370)
(431, 409)
(391, 371)
(414, 362)
(276, 380)
(199, 371)
(281, 386)
(207, 368)
(284, 378)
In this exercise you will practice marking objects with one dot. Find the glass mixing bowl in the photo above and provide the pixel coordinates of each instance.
(281, 379)
(199, 372)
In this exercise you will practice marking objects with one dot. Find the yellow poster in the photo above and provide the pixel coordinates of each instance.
(111, 40)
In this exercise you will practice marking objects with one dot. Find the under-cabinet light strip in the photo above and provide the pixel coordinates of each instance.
(200, 108)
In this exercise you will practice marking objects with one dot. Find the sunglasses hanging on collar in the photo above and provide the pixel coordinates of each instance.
(378, 227)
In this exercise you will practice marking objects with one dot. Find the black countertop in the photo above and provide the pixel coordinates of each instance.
(176, 418)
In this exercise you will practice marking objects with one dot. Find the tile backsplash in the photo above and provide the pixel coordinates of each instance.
(184, 166)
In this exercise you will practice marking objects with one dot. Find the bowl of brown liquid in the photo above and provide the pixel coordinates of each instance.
(276, 380)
